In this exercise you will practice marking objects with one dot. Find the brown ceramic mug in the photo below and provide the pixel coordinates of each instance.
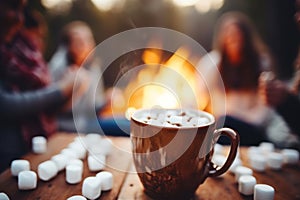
(172, 150)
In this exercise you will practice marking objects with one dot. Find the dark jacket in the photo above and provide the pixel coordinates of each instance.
(14, 108)
(290, 111)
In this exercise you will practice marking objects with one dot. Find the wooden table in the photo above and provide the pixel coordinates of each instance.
(127, 185)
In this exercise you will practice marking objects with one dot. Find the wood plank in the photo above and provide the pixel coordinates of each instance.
(286, 183)
(57, 188)
(128, 186)
(132, 187)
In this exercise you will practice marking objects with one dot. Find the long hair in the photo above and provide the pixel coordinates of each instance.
(252, 53)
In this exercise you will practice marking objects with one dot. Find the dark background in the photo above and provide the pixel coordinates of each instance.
(274, 20)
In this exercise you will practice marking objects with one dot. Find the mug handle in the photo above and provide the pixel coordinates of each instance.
(235, 139)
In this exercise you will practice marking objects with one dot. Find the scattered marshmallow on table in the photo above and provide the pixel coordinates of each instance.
(219, 159)
(47, 170)
(92, 138)
(78, 148)
(19, 165)
(91, 187)
(263, 192)
(290, 156)
(96, 162)
(106, 179)
(71, 154)
(76, 197)
(106, 145)
(73, 173)
(253, 151)
(241, 170)
(77, 162)
(218, 149)
(275, 160)
(236, 163)
(60, 161)
(3, 196)
(27, 180)
(246, 184)
(258, 162)
(80, 139)
(266, 147)
(39, 144)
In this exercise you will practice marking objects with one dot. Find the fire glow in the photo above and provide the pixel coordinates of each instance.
(164, 84)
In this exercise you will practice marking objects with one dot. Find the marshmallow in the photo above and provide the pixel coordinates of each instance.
(258, 162)
(203, 121)
(197, 121)
(253, 151)
(60, 160)
(76, 197)
(219, 159)
(290, 156)
(218, 149)
(155, 122)
(91, 188)
(106, 145)
(246, 184)
(175, 120)
(166, 124)
(78, 149)
(96, 149)
(106, 179)
(96, 162)
(241, 170)
(19, 165)
(47, 170)
(3, 196)
(263, 192)
(39, 144)
(27, 180)
(161, 117)
(76, 162)
(73, 174)
(80, 140)
(69, 153)
(92, 138)
(266, 147)
(275, 160)
(237, 162)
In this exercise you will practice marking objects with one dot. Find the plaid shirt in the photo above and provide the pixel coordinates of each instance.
(22, 68)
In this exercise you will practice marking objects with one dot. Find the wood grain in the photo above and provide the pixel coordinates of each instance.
(57, 188)
(127, 185)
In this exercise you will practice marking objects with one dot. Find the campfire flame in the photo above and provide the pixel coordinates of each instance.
(166, 84)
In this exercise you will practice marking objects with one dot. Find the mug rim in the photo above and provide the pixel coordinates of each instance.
(207, 114)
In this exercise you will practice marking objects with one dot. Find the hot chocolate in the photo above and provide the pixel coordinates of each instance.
(174, 118)
(172, 150)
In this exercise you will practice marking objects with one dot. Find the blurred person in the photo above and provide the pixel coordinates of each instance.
(282, 96)
(76, 51)
(27, 100)
(240, 57)
(36, 28)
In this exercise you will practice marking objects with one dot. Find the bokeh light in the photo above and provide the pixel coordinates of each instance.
(105, 5)
(57, 4)
(202, 6)
(185, 3)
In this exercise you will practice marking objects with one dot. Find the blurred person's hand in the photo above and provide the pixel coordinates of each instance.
(73, 85)
(273, 91)
(66, 84)
(83, 81)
